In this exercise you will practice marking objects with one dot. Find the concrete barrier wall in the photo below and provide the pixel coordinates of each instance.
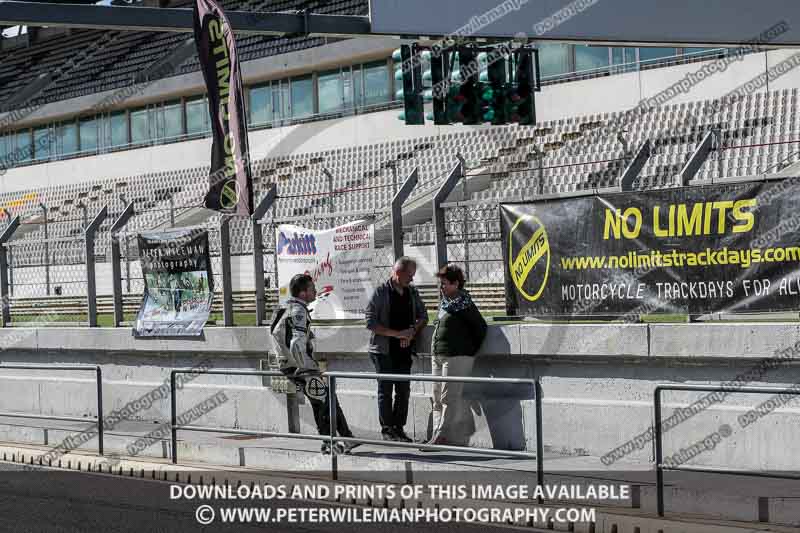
(597, 380)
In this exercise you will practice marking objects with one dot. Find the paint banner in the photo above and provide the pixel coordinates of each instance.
(338, 259)
(693, 250)
(230, 181)
(178, 283)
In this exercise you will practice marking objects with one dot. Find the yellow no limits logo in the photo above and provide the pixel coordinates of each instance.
(535, 250)
(229, 195)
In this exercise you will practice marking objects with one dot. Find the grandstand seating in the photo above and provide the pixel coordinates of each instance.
(759, 132)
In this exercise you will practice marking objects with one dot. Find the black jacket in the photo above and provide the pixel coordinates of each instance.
(461, 328)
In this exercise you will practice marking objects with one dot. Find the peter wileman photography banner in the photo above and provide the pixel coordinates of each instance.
(692, 250)
(178, 283)
(339, 260)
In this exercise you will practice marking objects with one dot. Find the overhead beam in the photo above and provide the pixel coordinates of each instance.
(615, 22)
(175, 19)
(646, 22)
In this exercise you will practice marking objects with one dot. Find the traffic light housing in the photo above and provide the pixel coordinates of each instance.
(468, 94)
(521, 101)
(494, 92)
(440, 89)
(469, 89)
(409, 72)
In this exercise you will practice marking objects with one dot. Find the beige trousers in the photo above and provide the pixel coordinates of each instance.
(452, 417)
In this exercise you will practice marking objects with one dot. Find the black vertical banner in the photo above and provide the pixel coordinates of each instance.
(230, 182)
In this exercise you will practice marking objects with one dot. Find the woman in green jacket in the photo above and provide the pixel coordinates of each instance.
(460, 331)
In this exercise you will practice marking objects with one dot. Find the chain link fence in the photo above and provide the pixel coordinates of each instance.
(47, 280)
(473, 242)
(47, 271)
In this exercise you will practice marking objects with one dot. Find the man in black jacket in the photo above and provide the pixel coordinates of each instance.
(395, 315)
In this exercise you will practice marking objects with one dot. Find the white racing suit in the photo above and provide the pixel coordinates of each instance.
(294, 345)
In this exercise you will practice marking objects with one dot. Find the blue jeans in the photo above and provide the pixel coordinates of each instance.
(392, 413)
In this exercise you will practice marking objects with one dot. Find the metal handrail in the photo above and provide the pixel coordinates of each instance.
(660, 467)
(332, 438)
(99, 380)
(174, 410)
(539, 455)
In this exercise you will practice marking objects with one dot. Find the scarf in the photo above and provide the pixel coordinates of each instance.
(462, 301)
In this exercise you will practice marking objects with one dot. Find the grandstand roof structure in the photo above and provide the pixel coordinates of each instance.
(104, 60)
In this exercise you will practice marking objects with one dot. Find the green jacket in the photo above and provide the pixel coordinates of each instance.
(460, 328)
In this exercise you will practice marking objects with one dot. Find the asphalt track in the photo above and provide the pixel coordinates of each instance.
(55, 501)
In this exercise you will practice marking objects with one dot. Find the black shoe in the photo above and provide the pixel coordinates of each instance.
(347, 447)
(389, 433)
(440, 441)
(401, 435)
(326, 448)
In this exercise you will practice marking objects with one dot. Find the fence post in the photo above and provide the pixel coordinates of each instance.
(258, 252)
(127, 263)
(46, 250)
(439, 215)
(116, 264)
(4, 238)
(399, 199)
(465, 227)
(659, 453)
(225, 256)
(173, 403)
(10, 266)
(91, 280)
(331, 207)
(539, 170)
(634, 168)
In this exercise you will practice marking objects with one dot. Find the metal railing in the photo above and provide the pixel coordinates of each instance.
(99, 382)
(539, 455)
(332, 438)
(174, 410)
(660, 467)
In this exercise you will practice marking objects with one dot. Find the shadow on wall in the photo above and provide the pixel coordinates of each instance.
(500, 404)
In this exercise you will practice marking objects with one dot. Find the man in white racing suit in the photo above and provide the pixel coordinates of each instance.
(294, 344)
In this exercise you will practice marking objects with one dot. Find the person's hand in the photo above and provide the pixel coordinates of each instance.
(406, 334)
(405, 343)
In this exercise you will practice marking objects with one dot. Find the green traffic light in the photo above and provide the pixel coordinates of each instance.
(397, 55)
(489, 115)
(488, 94)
